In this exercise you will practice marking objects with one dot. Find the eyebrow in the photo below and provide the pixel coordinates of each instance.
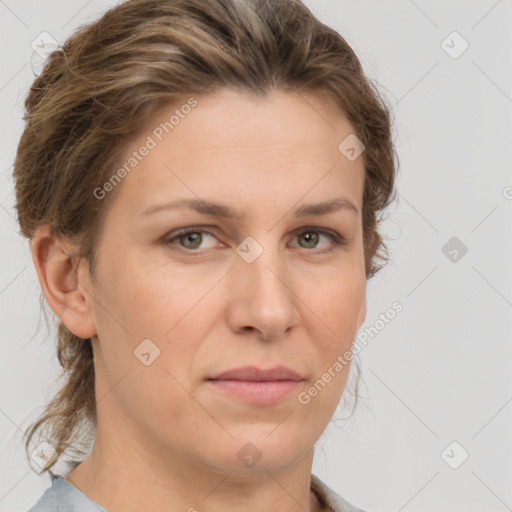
(224, 211)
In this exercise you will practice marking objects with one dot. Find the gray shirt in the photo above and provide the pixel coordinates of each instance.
(62, 496)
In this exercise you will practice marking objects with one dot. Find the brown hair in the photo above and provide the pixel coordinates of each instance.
(107, 81)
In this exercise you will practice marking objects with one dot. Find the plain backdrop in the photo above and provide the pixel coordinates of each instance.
(433, 430)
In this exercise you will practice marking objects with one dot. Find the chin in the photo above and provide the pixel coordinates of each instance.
(257, 451)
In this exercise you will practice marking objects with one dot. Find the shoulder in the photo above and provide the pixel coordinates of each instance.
(47, 502)
(64, 497)
(331, 498)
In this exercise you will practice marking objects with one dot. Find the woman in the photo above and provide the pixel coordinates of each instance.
(201, 182)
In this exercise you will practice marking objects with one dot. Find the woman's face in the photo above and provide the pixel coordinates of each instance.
(269, 288)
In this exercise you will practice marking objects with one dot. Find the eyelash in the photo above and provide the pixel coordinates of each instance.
(337, 239)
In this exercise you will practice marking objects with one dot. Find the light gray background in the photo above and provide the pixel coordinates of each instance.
(441, 370)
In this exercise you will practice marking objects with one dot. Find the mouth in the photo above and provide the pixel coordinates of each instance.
(255, 386)
(256, 392)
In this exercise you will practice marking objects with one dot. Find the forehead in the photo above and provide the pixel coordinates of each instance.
(279, 147)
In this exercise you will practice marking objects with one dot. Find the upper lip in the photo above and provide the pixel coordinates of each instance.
(256, 374)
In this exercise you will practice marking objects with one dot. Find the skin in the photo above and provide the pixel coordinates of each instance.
(162, 427)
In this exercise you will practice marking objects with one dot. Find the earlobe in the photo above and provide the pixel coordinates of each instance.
(57, 270)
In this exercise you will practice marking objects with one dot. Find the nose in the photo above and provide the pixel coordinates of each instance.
(263, 295)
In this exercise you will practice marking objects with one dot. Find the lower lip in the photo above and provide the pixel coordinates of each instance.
(257, 392)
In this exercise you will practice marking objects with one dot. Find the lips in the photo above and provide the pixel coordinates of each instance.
(252, 373)
(256, 386)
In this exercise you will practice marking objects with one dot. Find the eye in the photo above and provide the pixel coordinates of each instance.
(312, 236)
(190, 238)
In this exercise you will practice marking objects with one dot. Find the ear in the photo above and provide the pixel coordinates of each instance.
(59, 273)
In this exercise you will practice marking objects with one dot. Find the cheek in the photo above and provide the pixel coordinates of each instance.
(339, 307)
(171, 309)
(149, 300)
(136, 304)
(338, 301)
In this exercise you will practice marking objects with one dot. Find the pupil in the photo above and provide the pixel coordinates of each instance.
(193, 237)
(310, 238)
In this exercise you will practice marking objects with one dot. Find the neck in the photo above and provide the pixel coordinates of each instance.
(122, 475)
